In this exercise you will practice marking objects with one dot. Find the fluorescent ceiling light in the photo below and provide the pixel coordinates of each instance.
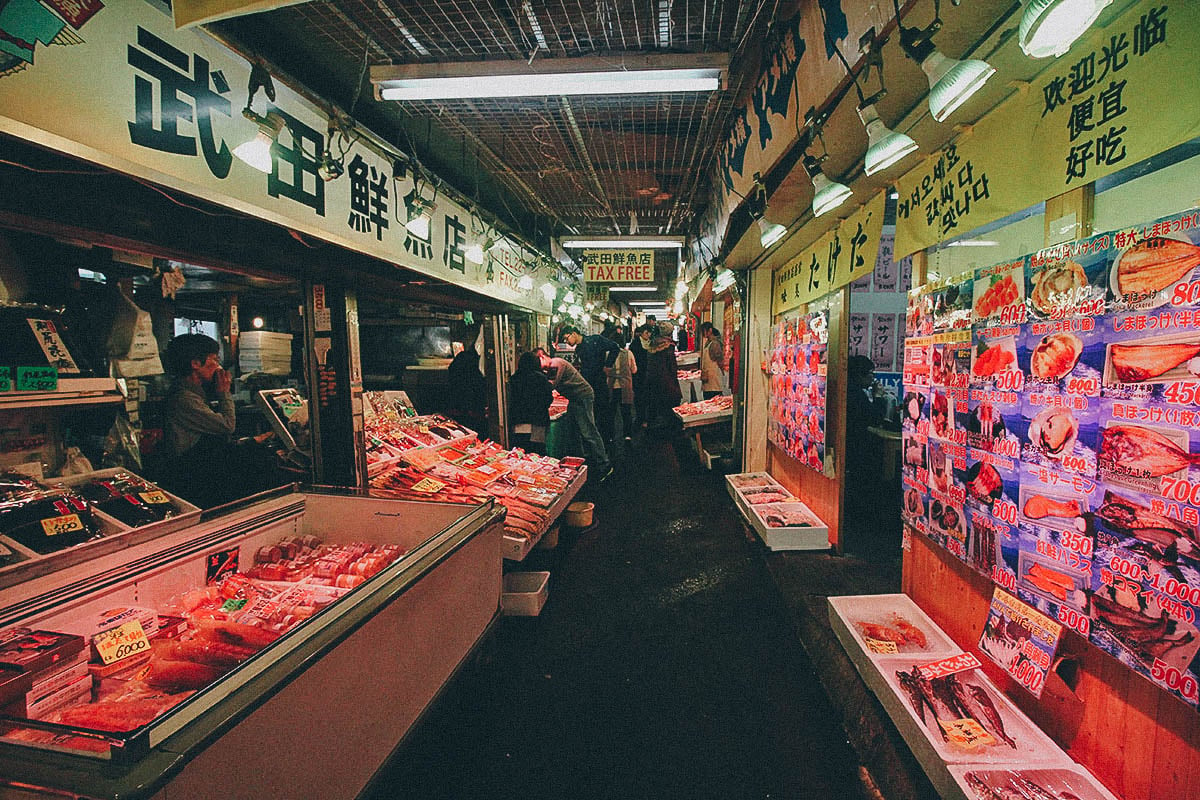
(659, 303)
(725, 278)
(973, 243)
(647, 74)
(953, 82)
(618, 242)
(554, 84)
(534, 25)
(885, 146)
(650, 288)
(1050, 27)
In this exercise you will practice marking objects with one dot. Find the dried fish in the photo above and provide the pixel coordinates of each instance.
(1142, 362)
(1155, 263)
(1139, 450)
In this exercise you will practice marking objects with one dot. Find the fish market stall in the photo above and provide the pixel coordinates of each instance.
(704, 413)
(201, 663)
(533, 489)
(779, 518)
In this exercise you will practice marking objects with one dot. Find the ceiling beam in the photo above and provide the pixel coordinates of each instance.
(585, 157)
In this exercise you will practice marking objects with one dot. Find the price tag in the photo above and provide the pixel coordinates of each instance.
(234, 604)
(220, 564)
(37, 379)
(881, 647)
(122, 642)
(6, 381)
(948, 666)
(967, 734)
(428, 486)
(67, 524)
(154, 498)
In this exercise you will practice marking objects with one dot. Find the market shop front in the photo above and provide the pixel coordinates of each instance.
(1037, 445)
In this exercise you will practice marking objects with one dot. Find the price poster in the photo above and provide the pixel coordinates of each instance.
(799, 363)
(1020, 639)
(1071, 473)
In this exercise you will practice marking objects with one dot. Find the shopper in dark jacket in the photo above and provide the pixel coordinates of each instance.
(529, 396)
(662, 380)
(467, 391)
(594, 354)
(641, 341)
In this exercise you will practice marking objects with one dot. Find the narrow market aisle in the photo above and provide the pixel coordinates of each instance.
(663, 666)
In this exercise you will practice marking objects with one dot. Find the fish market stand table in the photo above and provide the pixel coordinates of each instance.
(694, 416)
(302, 716)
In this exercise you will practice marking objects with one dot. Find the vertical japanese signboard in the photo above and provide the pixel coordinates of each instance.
(1122, 94)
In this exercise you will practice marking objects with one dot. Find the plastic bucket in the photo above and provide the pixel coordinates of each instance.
(579, 515)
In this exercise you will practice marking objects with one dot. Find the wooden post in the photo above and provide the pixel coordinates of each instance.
(335, 384)
(757, 339)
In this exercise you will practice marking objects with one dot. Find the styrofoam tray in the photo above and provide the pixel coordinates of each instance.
(849, 614)
(185, 512)
(1032, 746)
(743, 480)
(1058, 781)
(524, 593)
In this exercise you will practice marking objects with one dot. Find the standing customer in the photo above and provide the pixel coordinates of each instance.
(529, 397)
(662, 378)
(580, 401)
(467, 391)
(640, 350)
(624, 370)
(712, 355)
(594, 353)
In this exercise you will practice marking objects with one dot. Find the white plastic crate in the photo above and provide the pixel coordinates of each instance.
(524, 593)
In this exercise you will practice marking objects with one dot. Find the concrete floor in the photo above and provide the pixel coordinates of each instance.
(664, 665)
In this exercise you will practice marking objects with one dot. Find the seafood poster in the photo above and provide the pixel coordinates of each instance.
(1072, 474)
(799, 363)
(1053, 567)
(1020, 639)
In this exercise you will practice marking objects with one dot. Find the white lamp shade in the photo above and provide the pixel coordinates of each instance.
(526, 283)
(474, 253)
(769, 232)
(256, 152)
(419, 226)
(885, 146)
(1050, 27)
(952, 82)
(827, 194)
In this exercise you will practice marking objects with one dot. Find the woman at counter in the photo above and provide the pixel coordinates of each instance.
(529, 397)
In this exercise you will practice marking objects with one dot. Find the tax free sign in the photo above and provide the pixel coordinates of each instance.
(618, 266)
(120, 86)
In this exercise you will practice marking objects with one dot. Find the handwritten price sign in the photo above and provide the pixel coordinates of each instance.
(37, 379)
(119, 643)
(949, 666)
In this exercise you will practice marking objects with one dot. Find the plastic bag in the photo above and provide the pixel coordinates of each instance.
(77, 463)
(121, 447)
(140, 354)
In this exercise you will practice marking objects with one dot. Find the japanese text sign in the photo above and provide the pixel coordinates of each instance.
(1020, 639)
(839, 257)
(1105, 105)
(117, 643)
(949, 666)
(618, 266)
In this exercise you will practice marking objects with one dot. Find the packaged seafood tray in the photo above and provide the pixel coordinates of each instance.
(961, 718)
(161, 511)
(759, 516)
(1073, 782)
(745, 480)
(882, 625)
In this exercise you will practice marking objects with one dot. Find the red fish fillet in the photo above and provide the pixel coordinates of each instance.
(1141, 362)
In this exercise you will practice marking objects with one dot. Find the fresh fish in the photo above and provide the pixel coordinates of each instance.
(1155, 263)
(1142, 451)
(980, 707)
(1141, 362)
(981, 789)
(1132, 518)
(908, 682)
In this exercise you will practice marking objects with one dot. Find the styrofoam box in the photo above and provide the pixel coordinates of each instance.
(1057, 781)
(263, 338)
(848, 614)
(925, 738)
(524, 593)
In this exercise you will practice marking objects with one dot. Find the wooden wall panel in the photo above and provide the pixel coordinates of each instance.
(821, 494)
(1140, 741)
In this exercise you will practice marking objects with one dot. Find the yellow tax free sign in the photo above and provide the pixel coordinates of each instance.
(618, 266)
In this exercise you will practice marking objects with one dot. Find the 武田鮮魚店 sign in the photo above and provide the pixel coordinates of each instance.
(1122, 94)
(618, 266)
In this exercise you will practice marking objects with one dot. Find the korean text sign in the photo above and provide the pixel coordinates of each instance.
(1116, 98)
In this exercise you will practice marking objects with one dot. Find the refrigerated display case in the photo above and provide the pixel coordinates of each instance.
(312, 714)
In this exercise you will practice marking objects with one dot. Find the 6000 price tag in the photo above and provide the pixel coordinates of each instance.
(117, 643)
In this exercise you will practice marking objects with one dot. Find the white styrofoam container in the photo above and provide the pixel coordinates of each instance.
(261, 339)
(1032, 745)
(524, 593)
(849, 614)
(812, 537)
(1058, 781)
